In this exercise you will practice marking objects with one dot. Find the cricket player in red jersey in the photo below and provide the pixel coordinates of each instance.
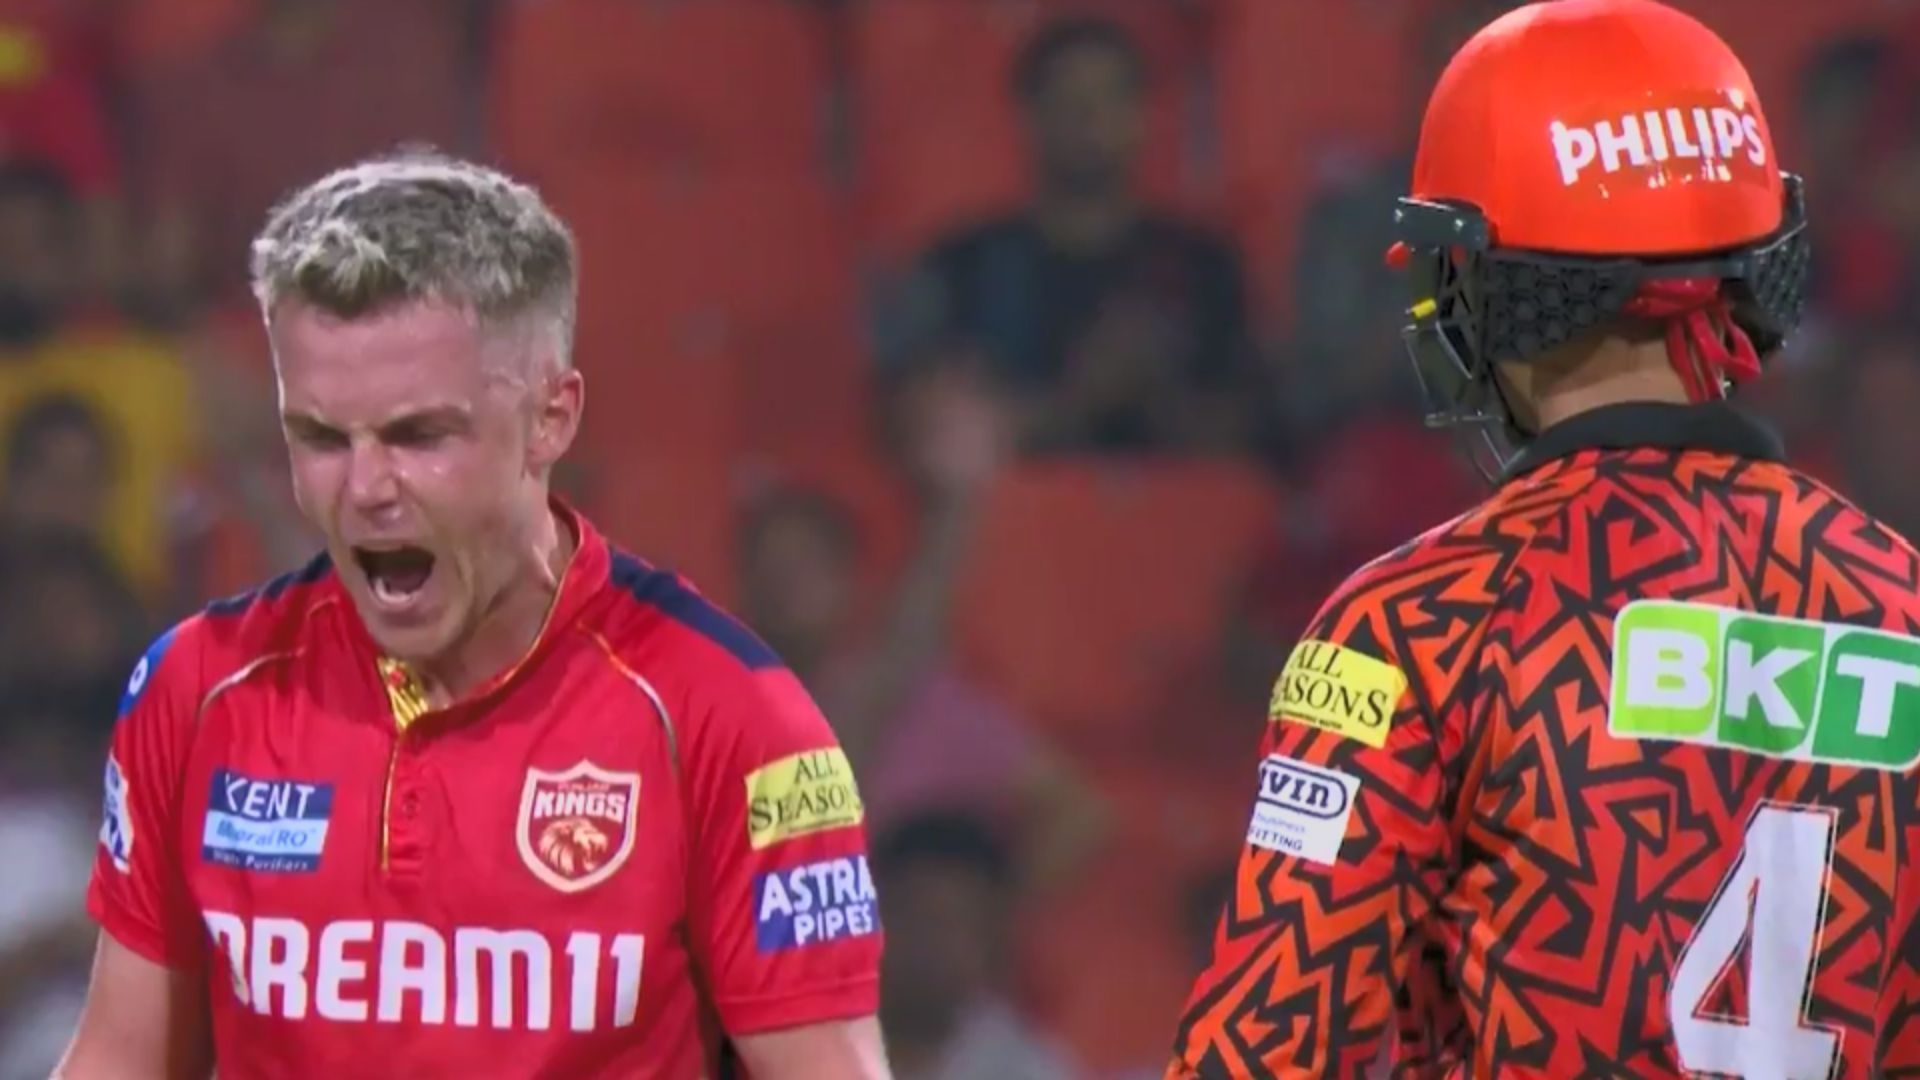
(473, 794)
(1614, 775)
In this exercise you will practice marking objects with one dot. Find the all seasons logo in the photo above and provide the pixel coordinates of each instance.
(801, 794)
(1787, 688)
(1340, 690)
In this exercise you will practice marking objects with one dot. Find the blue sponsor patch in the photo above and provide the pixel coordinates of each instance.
(116, 819)
(143, 671)
(269, 826)
(829, 900)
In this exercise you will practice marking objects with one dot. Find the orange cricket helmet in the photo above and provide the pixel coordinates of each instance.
(1581, 160)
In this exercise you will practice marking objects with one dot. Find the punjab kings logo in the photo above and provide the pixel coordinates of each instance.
(576, 827)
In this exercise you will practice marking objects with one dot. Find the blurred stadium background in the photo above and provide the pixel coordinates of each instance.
(1024, 370)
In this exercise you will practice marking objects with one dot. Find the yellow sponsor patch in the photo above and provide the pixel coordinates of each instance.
(802, 794)
(1338, 689)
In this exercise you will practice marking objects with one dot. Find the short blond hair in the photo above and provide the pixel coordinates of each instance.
(418, 225)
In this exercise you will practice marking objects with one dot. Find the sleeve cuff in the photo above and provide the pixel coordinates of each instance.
(847, 1000)
(138, 939)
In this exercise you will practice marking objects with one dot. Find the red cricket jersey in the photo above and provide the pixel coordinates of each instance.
(640, 838)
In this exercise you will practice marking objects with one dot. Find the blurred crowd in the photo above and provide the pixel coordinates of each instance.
(1024, 371)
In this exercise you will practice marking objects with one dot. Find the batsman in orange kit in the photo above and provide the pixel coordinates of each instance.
(1614, 775)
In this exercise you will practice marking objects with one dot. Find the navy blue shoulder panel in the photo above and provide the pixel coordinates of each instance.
(666, 594)
(272, 590)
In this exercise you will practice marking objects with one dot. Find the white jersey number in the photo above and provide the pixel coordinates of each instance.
(1773, 900)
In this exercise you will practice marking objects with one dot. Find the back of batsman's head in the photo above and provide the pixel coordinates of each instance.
(1584, 163)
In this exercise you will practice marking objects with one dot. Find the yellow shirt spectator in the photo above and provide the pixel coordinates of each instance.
(144, 398)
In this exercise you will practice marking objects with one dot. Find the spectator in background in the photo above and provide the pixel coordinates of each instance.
(59, 472)
(1106, 326)
(1345, 360)
(1879, 441)
(304, 84)
(70, 630)
(141, 431)
(55, 76)
(920, 735)
(1848, 118)
(946, 899)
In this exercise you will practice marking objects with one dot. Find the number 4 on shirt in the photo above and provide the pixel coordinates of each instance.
(1773, 900)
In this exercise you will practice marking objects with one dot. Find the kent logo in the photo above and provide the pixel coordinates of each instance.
(1785, 688)
(269, 826)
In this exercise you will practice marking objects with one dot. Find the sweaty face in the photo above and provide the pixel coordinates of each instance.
(414, 450)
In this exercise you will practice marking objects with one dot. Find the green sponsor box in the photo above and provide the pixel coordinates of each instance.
(1780, 687)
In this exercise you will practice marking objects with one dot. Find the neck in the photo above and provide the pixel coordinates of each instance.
(510, 624)
(1612, 371)
(1085, 222)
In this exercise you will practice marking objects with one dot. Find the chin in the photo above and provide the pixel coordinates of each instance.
(415, 642)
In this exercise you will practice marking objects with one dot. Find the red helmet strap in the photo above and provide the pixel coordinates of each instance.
(1707, 348)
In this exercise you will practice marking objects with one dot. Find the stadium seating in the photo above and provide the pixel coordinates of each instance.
(1108, 960)
(939, 139)
(161, 31)
(1283, 136)
(697, 89)
(1095, 585)
(752, 274)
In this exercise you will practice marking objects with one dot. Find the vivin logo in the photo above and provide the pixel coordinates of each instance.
(1787, 688)
(1287, 783)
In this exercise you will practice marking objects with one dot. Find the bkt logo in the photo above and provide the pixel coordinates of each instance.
(1303, 789)
(406, 972)
(815, 902)
(1709, 134)
(1786, 688)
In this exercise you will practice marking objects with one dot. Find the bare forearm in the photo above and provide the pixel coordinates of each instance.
(836, 1050)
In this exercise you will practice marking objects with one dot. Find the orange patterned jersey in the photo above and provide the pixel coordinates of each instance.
(1614, 776)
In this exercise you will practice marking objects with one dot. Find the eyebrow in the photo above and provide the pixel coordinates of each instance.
(451, 417)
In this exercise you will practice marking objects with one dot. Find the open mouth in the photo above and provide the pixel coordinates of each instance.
(396, 575)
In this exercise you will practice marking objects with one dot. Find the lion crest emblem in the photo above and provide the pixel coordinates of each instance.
(576, 828)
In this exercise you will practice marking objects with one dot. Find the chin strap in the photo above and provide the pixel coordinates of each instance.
(1708, 349)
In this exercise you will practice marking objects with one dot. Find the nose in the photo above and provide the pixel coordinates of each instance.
(372, 485)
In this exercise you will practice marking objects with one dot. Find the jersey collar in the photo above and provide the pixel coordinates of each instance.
(585, 576)
(1715, 428)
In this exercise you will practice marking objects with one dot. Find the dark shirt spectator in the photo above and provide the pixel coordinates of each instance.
(1110, 325)
(947, 896)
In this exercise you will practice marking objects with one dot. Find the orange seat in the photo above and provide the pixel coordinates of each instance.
(1094, 586)
(698, 89)
(1126, 918)
(674, 510)
(163, 31)
(746, 285)
(939, 127)
(1285, 132)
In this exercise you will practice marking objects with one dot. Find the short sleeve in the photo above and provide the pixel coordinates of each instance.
(138, 892)
(1346, 854)
(785, 922)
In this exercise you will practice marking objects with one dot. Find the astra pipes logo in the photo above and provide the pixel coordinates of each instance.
(1716, 133)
